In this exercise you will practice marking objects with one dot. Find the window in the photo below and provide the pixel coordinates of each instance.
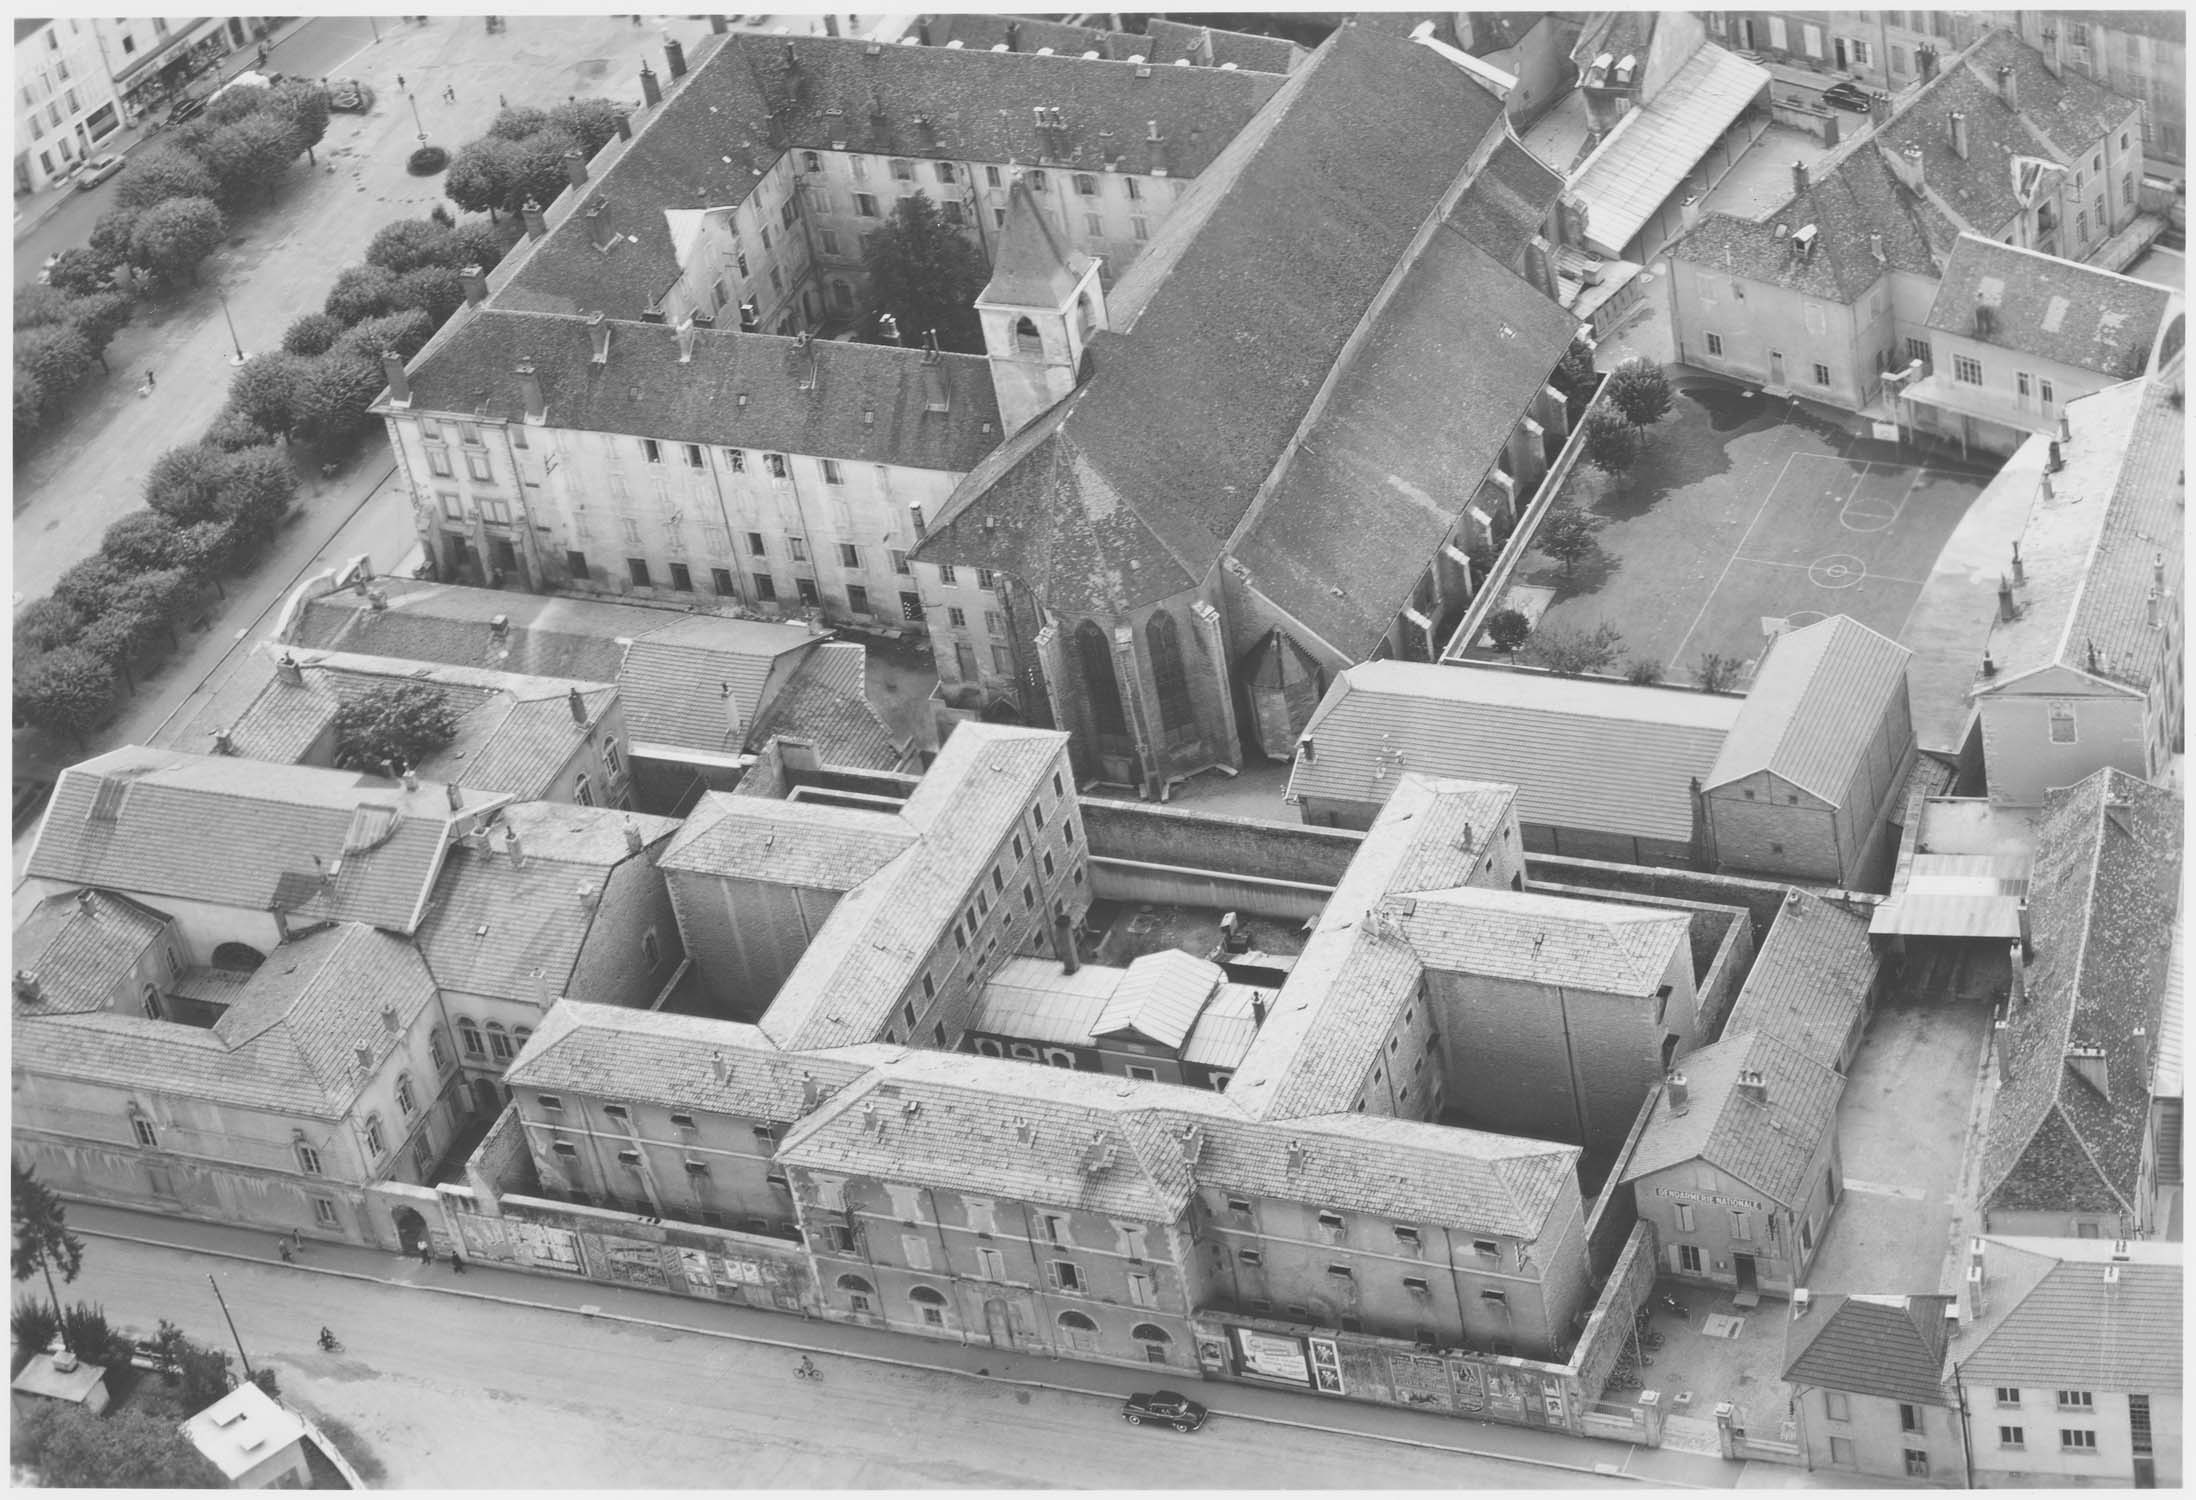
(1742, 1226)
(1715, 344)
(1093, 225)
(796, 548)
(405, 1100)
(735, 459)
(2060, 715)
(682, 578)
(1841, 1449)
(453, 509)
(850, 556)
(1836, 1406)
(2044, 392)
(1251, 1257)
(438, 1050)
(865, 204)
(1684, 1213)
(651, 450)
(1689, 1259)
(1965, 370)
(1065, 1276)
(1036, 182)
(766, 588)
(1822, 373)
(308, 1160)
(1002, 660)
(499, 1042)
(1135, 189)
(957, 617)
(469, 1037)
(476, 465)
(991, 177)
(1140, 227)
(775, 463)
(375, 1143)
(637, 569)
(2081, 225)
(2012, 1437)
(1910, 1417)
(2009, 1395)
(832, 473)
(987, 580)
(2076, 1401)
(1917, 1463)
(438, 464)
(2078, 1439)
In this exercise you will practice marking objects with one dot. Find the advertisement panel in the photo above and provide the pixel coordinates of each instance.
(545, 1246)
(1271, 1356)
(1327, 1366)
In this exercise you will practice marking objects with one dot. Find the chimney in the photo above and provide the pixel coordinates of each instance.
(1689, 211)
(1540, 269)
(2066, 429)
(1014, 36)
(2009, 86)
(1803, 1302)
(388, 1018)
(686, 341)
(1913, 169)
(1975, 1302)
(598, 329)
(633, 839)
(652, 92)
(2028, 935)
(578, 702)
(365, 1056)
(1752, 1085)
(599, 231)
(1959, 134)
(937, 397)
(624, 119)
(1925, 62)
(1063, 930)
(2157, 570)
(1298, 1156)
(1799, 177)
(1986, 318)
(511, 844)
(289, 671)
(475, 282)
(1990, 665)
(2054, 460)
(2054, 52)
(2020, 569)
(223, 744)
(1875, 248)
(2088, 1064)
(587, 896)
(575, 167)
(456, 796)
(718, 25)
(1680, 1096)
(674, 57)
(922, 31)
(2007, 611)
(537, 405)
(400, 385)
(2150, 603)
(537, 222)
(1258, 1008)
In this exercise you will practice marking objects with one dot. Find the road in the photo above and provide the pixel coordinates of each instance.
(453, 1392)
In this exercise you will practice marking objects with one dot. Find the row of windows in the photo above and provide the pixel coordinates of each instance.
(2071, 1439)
(931, 1305)
(2010, 1395)
(1407, 1236)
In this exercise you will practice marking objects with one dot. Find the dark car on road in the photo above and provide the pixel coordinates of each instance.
(1843, 95)
(1169, 1407)
(186, 109)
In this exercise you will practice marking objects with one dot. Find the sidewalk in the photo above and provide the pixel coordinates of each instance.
(776, 1330)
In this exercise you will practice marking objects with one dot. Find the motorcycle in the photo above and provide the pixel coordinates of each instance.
(330, 1343)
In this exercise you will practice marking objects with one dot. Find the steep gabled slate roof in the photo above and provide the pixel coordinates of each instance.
(2054, 1315)
(79, 945)
(1582, 753)
(2053, 309)
(1032, 267)
(810, 844)
(1768, 1146)
(245, 834)
(1546, 940)
(1508, 201)
(869, 403)
(826, 702)
(1816, 703)
(1224, 330)
(2144, 524)
(515, 927)
(1891, 1347)
(1810, 979)
(2101, 902)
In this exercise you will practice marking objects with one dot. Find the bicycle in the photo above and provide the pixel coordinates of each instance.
(806, 1370)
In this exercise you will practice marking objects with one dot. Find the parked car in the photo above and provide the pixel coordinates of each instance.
(187, 109)
(96, 171)
(1170, 1407)
(1847, 95)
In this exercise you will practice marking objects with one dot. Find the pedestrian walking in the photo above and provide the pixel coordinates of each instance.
(426, 1252)
(297, 1241)
(282, 1248)
(149, 381)
(449, 93)
(400, 83)
(502, 103)
(457, 1263)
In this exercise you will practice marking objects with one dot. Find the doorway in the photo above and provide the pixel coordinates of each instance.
(1749, 1288)
(999, 1323)
(1776, 369)
(411, 1231)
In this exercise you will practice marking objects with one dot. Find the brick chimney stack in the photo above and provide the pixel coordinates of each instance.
(400, 385)
(537, 222)
(1959, 133)
(674, 57)
(475, 282)
(537, 405)
(651, 91)
(575, 167)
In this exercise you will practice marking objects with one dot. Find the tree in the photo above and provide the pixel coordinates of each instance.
(1573, 652)
(140, 542)
(482, 176)
(92, 1338)
(171, 238)
(1713, 672)
(480, 243)
(250, 157)
(406, 331)
(433, 290)
(407, 244)
(257, 490)
(1568, 535)
(265, 392)
(1575, 375)
(1612, 444)
(30, 405)
(234, 429)
(209, 548)
(1643, 671)
(307, 106)
(591, 123)
(518, 122)
(927, 276)
(401, 722)
(43, 1241)
(360, 292)
(39, 306)
(56, 356)
(313, 333)
(68, 689)
(184, 484)
(32, 1325)
(46, 624)
(99, 317)
(81, 271)
(89, 586)
(333, 397)
(162, 173)
(1640, 391)
(69, 1448)
(537, 167)
(1507, 629)
(147, 605)
(112, 233)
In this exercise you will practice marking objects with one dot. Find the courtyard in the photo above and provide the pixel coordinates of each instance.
(1743, 515)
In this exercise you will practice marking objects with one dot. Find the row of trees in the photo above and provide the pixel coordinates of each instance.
(1574, 651)
(522, 155)
(59, 336)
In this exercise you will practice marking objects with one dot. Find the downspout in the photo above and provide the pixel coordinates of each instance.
(1967, 1437)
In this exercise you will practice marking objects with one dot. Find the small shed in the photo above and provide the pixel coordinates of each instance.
(60, 1377)
(253, 1439)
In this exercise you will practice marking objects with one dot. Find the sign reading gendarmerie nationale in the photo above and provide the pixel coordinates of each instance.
(1720, 1200)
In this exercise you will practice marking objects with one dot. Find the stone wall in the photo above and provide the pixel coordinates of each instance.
(1135, 832)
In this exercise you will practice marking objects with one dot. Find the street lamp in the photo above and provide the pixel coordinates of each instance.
(413, 99)
(235, 343)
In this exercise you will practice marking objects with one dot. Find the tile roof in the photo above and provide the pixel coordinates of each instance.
(2071, 108)
(1034, 999)
(657, 1057)
(289, 1041)
(559, 636)
(1508, 201)
(2050, 1316)
(1891, 1347)
(327, 845)
(1160, 997)
(1128, 490)
(1654, 149)
(1857, 205)
(1582, 753)
(868, 951)
(1544, 940)
(717, 133)
(79, 945)
(1816, 704)
(515, 927)
(1226, 1027)
(2101, 904)
(1810, 979)
(826, 702)
(2054, 309)
(868, 403)
(1162, 43)
(809, 844)
(2165, 1081)
(1768, 1146)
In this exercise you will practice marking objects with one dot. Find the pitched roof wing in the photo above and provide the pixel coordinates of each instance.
(2060, 310)
(1814, 707)
(1810, 979)
(1031, 267)
(1767, 1144)
(1891, 1347)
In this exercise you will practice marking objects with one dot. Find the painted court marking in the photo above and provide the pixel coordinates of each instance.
(1839, 570)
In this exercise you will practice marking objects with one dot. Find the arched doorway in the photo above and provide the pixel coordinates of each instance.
(1082, 1333)
(411, 1231)
(1154, 1339)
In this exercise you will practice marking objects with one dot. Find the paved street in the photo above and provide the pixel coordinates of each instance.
(465, 1391)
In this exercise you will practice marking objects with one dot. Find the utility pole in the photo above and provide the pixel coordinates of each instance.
(240, 1354)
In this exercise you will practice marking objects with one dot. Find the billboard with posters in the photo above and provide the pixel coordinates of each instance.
(1326, 1361)
(1271, 1356)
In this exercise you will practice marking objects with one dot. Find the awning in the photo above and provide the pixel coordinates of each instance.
(1943, 392)
(1654, 149)
(1956, 895)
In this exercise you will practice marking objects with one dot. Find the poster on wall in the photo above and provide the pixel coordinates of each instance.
(1271, 1356)
(1326, 1366)
(1471, 1386)
(632, 1261)
(735, 1273)
(1551, 1400)
(554, 1249)
(1419, 1379)
(1503, 1395)
(694, 1266)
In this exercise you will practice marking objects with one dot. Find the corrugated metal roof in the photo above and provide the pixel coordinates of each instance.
(1159, 997)
(1607, 756)
(1655, 148)
(1816, 704)
(1038, 1001)
(1957, 895)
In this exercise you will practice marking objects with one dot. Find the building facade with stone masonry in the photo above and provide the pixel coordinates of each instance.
(2068, 1363)
(1181, 591)
(65, 97)
(1868, 1386)
(639, 405)
(2070, 1148)
(1833, 291)
(2083, 666)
